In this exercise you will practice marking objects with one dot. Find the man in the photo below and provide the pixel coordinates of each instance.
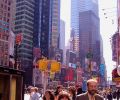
(91, 93)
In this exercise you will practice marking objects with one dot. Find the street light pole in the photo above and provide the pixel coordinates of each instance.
(16, 55)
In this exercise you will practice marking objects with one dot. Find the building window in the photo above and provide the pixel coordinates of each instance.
(1, 5)
(8, 14)
(8, 8)
(9, 3)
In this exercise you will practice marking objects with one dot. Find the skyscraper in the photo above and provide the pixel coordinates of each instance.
(75, 23)
(24, 24)
(84, 14)
(62, 34)
(48, 27)
(62, 38)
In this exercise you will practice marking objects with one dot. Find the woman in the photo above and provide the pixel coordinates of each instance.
(58, 90)
(63, 96)
(48, 95)
(72, 92)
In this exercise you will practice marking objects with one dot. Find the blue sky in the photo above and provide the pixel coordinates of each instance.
(107, 26)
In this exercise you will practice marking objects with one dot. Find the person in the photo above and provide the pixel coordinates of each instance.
(114, 94)
(28, 93)
(79, 90)
(91, 93)
(109, 96)
(48, 95)
(118, 94)
(58, 90)
(63, 95)
(72, 92)
(34, 94)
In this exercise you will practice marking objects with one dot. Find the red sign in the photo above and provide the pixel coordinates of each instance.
(19, 38)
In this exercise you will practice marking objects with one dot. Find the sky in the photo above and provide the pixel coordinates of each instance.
(108, 26)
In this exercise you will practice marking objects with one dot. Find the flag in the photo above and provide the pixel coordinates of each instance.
(11, 43)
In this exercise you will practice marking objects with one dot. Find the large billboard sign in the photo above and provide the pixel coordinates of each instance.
(115, 76)
(59, 55)
(102, 70)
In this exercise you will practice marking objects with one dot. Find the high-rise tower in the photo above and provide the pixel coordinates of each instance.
(24, 24)
(48, 27)
(84, 19)
(75, 23)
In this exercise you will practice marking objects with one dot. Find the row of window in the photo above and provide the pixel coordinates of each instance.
(18, 28)
(28, 32)
(24, 22)
(4, 60)
(4, 28)
(26, 13)
(28, 37)
(7, 2)
(5, 19)
(5, 7)
(24, 0)
(4, 36)
(25, 3)
(22, 8)
(3, 45)
(27, 42)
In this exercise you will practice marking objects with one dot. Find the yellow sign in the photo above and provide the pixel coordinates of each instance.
(43, 64)
(55, 66)
(117, 79)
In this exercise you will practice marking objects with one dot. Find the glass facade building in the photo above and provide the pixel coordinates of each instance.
(85, 24)
(48, 27)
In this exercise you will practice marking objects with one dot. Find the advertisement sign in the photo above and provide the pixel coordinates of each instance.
(59, 55)
(115, 76)
(102, 69)
(36, 55)
(72, 58)
(79, 75)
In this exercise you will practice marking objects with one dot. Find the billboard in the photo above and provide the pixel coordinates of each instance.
(102, 70)
(59, 55)
(115, 76)
(72, 59)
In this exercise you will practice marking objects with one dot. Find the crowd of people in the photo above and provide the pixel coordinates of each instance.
(112, 94)
(70, 93)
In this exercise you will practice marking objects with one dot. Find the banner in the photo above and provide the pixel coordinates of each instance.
(102, 69)
(11, 43)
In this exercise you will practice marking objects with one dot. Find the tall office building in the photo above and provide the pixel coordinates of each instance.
(88, 5)
(62, 38)
(84, 15)
(75, 23)
(89, 36)
(118, 19)
(7, 15)
(62, 34)
(47, 30)
(24, 24)
(76, 7)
